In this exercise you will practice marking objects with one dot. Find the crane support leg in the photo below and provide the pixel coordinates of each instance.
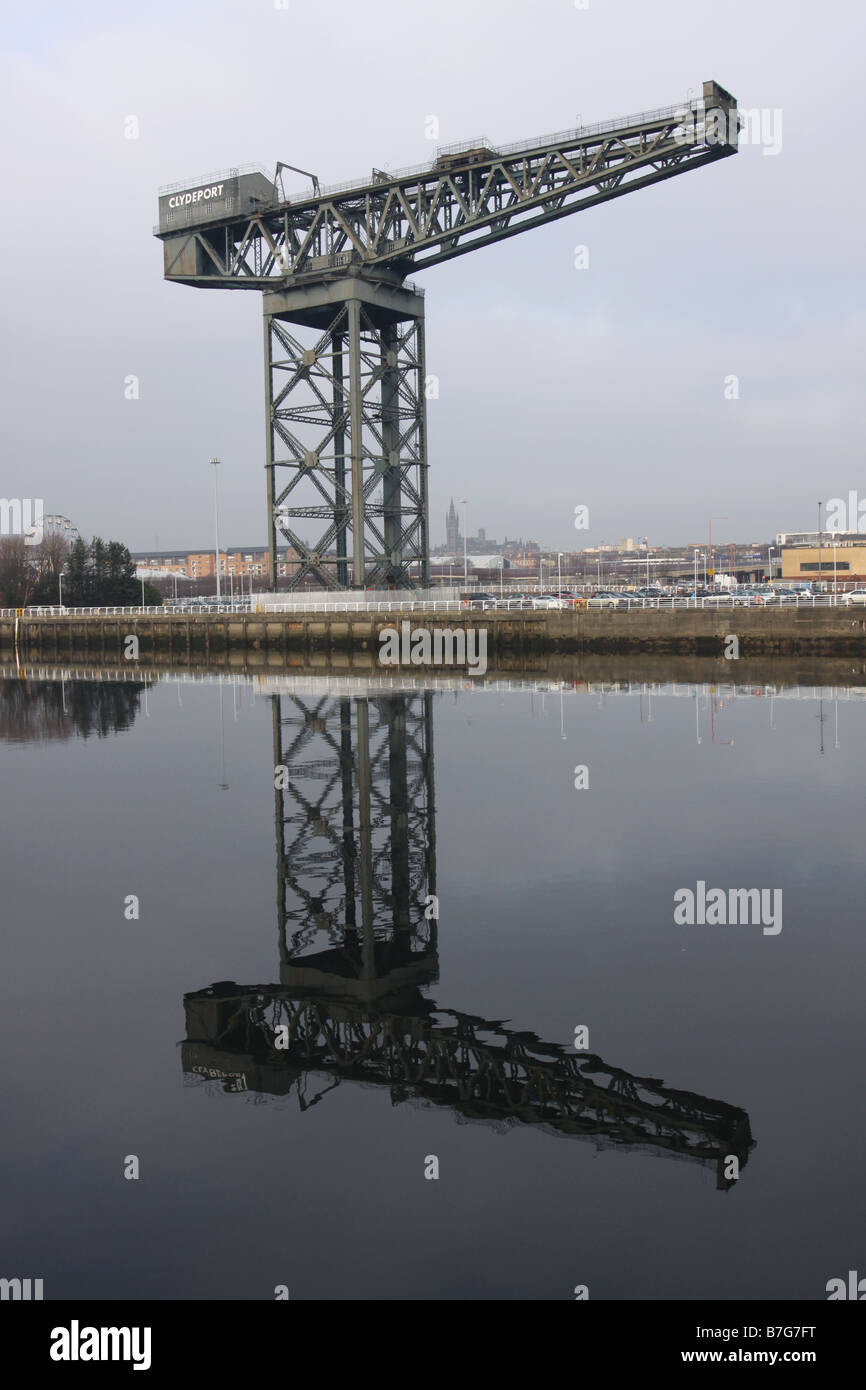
(346, 454)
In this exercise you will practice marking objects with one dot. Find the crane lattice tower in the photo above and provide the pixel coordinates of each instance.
(346, 461)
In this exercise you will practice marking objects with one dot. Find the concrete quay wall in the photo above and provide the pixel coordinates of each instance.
(817, 632)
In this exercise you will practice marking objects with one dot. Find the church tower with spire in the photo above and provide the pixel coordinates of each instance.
(452, 530)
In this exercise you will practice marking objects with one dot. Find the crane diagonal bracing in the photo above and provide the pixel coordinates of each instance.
(346, 455)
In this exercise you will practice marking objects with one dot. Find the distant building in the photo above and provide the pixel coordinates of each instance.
(452, 528)
(847, 559)
(813, 537)
(201, 564)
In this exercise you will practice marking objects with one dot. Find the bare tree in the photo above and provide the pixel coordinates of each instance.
(19, 572)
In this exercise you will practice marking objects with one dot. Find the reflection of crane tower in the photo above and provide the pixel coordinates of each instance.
(356, 854)
(356, 864)
(345, 397)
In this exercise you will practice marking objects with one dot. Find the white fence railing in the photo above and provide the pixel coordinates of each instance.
(258, 611)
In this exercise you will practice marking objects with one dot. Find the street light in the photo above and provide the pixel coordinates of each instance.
(559, 571)
(711, 520)
(820, 539)
(60, 582)
(696, 573)
(464, 502)
(216, 507)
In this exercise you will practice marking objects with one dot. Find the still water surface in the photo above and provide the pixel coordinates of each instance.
(288, 1036)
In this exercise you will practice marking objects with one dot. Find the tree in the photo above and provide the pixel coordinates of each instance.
(98, 569)
(50, 556)
(101, 575)
(18, 572)
(77, 574)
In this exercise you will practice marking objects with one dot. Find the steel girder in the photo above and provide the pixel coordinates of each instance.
(421, 217)
(346, 435)
(479, 1069)
(356, 849)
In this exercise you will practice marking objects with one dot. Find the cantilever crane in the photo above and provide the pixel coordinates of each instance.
(346, 419)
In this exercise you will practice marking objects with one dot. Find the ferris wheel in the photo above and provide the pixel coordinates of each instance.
(60, 526)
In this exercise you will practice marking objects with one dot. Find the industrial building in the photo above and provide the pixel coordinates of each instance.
(832, 558)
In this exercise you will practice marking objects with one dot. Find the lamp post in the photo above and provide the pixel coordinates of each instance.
(60, 582)
(711, 520)
(559, 571)
(696, 574)
(820, 539)
(464, 502)
(216, 510)
(835, 583)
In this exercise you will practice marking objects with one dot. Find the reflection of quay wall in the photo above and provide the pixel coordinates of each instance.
(749, 676)
(479, 1069)
(695, 632)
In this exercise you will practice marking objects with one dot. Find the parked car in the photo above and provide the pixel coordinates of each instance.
(548, 601)
(856, 596)
(602, 599)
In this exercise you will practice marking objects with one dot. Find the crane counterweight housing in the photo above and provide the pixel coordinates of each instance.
(232, 194)
(345, 395)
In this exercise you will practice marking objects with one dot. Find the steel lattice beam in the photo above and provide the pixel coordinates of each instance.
(478, 1068)
(421, 217)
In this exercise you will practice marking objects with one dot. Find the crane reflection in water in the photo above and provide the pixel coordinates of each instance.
(357, 937)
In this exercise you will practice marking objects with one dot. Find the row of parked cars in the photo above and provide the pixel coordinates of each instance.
(743, 596)
(560, 599)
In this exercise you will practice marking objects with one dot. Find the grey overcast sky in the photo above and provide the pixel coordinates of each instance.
(558, 386)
